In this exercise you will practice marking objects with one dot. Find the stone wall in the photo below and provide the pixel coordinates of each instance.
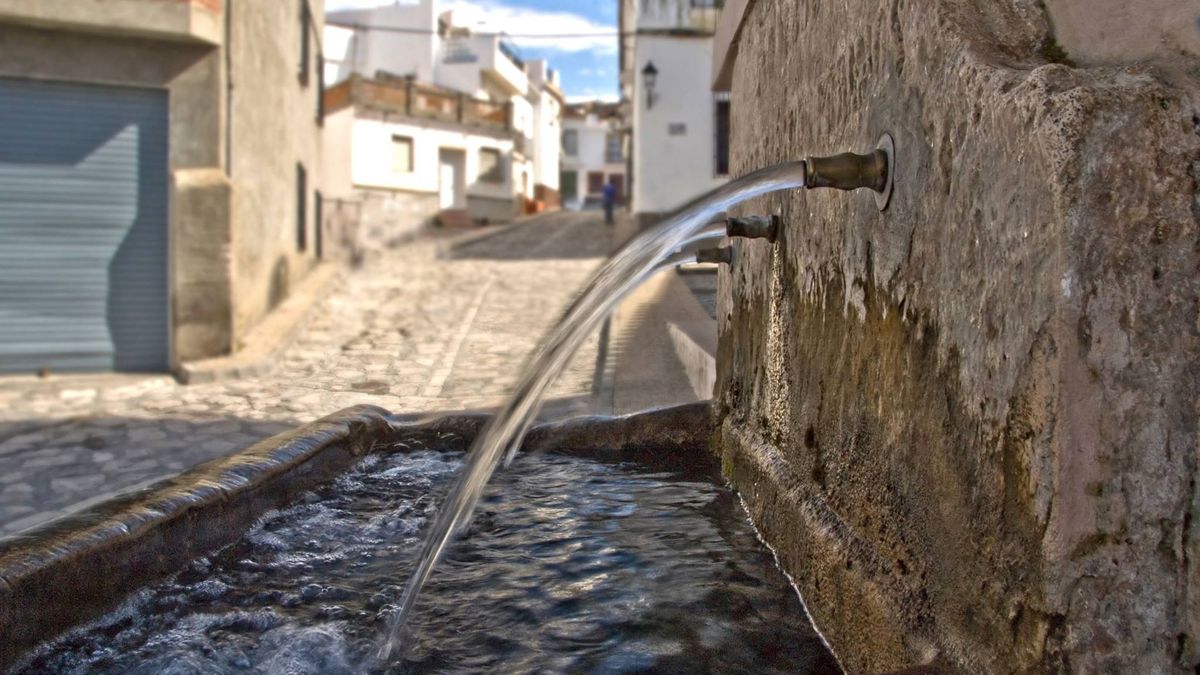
(390, 217)
(968, 424)
(274, 129)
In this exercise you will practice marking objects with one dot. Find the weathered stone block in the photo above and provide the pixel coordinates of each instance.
(202, 280)
(968, 424)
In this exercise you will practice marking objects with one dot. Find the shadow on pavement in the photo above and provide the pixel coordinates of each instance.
(47, 470)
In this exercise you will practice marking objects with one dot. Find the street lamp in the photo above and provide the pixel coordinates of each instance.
(649, 76)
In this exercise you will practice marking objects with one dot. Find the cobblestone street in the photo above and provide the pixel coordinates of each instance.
(442, 323)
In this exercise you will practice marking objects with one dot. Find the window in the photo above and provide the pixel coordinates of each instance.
(722, 129)
(708, 4)
(402, 154)
(491, 169)
(570, 142)
(595, 182)
(321, 89)
(305, 48)
(319, 222)
(301, 207)
(568, 182)
(677, 129)
(612, 149)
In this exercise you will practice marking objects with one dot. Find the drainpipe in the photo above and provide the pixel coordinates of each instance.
(229, 89)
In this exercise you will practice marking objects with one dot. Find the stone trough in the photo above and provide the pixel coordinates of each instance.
(77, 569)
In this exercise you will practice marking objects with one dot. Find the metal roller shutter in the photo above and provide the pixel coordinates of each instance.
(83, 228)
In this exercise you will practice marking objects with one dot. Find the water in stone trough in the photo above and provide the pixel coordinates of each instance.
(628, 268)
(570, 565)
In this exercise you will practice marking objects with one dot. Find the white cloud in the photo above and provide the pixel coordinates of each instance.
(500, 17)
(591, 95)
(336, 5)
(496, 16)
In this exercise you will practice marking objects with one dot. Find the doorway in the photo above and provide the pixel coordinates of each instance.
(452, 179)
(618, 182)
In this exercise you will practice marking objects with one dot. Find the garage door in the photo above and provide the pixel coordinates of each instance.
(83, 228)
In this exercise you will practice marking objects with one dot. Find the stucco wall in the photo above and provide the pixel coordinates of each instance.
(390, 217)
(188, 20)
(592, 137)
(371, 51)
(968, 424)
(372, 156)
(547, 118)
(672, 169)
(337, 155)
(274, 128)
(589, 155)
(547, 141)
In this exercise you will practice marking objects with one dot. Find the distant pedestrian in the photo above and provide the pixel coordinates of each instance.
(610, 200)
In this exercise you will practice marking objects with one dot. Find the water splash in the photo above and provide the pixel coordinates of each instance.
(626, 270)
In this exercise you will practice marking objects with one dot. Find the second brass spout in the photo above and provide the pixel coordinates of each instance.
(754, 227)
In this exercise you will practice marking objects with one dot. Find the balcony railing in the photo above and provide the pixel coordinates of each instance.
(509, 50)
(477, 111)
(413, 99)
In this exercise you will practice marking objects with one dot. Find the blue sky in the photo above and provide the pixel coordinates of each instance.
(588, 66)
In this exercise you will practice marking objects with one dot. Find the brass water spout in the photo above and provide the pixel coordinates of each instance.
(849, 171)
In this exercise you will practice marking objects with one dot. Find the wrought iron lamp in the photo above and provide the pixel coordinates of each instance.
(649, 78)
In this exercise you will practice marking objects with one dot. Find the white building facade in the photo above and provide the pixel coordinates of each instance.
(679, 134)
(547, 101)
(428, 120)
(593, 154)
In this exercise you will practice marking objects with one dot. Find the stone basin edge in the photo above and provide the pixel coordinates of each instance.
(76, 569)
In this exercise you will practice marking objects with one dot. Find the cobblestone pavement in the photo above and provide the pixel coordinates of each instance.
(436, 324)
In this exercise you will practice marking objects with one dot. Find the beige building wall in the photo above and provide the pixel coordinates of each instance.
(274, 130)
(337, 154)
(233, 203)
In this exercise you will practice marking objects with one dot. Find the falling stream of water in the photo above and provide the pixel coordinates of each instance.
(627, 269)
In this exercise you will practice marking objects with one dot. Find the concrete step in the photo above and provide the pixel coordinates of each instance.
(455, 219)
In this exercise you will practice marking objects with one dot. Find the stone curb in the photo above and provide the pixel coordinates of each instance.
(79, 567)
(275, 333)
